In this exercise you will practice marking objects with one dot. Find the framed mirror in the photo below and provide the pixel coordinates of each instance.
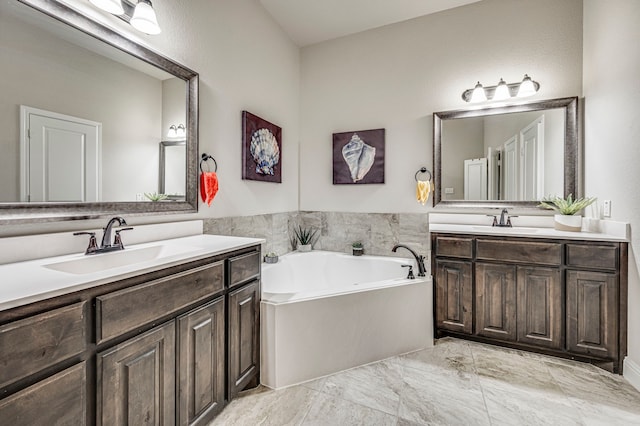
(83, 111)
(172, 170)
(506, 156)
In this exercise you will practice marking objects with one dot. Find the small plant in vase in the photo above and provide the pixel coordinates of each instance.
(357, 249)
(271, 257)
(304, 238)
(566, 218)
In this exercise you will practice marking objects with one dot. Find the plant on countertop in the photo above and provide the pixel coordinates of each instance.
(357, 245)
(304, 236)
(153, 196)
(567, 206)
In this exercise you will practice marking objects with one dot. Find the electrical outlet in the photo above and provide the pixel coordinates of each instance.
(139, 196)
(448, 190)
(606, 208)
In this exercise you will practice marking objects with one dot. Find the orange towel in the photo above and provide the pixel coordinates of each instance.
(208, 186)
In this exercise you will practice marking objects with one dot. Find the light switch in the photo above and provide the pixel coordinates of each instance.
(448, 190)
(606, 208)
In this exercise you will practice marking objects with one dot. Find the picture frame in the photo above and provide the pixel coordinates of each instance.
(358, 157)
(261, 149)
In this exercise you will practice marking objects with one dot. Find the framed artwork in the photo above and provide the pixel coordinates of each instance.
(261, 149)
(358, 157)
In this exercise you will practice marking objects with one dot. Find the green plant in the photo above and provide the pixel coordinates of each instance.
(356, 245)
(272, 254)
(566, 206)
(305, 235)
(153, 196)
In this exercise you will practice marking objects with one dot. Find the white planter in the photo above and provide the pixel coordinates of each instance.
(304, 247)
(568, 223)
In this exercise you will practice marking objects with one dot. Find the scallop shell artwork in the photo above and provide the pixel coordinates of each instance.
(359, 157)
(265, 151)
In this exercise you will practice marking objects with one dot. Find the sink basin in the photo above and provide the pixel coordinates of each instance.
(507, 230)
(100, 262)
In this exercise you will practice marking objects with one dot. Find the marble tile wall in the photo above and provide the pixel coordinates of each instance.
(378, 232)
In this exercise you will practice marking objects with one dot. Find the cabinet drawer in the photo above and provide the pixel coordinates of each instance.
(127, 309)
(516, 251)
(592, 256)
(32, 344)
(454, 247)
(244, 268)
(59, 400)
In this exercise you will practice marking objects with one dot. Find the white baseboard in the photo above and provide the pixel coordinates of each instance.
(632, 372)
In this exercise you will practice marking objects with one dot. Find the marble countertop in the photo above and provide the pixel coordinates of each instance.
(39, 279)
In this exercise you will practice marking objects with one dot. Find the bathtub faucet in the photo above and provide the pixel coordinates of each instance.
(419, 259)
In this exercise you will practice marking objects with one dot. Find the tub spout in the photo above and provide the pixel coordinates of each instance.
(419, 259)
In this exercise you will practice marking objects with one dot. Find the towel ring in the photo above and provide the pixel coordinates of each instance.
(206, 157)
(423, 170)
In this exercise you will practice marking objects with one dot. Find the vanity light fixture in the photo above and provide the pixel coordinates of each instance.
(140, 15)
(176, 131)
(172, 131)
(502, 91)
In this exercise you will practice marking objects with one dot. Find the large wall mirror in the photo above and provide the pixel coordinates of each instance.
(82, 112)
(506, 155)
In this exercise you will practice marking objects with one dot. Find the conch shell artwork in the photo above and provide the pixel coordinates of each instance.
(264, 150)
(359, 157)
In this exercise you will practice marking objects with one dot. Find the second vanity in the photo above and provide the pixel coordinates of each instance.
(169, 340)
(559, 293)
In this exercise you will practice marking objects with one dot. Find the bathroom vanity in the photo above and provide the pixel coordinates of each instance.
(550, 293)
(170, 343)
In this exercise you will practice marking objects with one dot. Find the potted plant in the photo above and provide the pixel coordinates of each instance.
(304, 238)
(357, 249)
(566, 218)
(271, 257)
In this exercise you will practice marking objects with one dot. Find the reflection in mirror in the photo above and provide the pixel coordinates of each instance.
(513, 155)
(172, 169)
(55, 78)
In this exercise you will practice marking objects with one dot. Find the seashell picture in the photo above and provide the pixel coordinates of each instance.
(261, 149)
(358, 157)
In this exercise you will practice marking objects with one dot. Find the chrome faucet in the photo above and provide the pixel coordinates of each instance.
(105, 245)
(419, 259)
(503, 223)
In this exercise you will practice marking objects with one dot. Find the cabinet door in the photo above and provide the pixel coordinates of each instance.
(496, 301)
(244, 335)
(136, 380)
(592, 316)
(58, 400)
(201, 363)
(454, 302)
(539, 306)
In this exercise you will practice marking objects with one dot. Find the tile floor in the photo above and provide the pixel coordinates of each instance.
(454, 383)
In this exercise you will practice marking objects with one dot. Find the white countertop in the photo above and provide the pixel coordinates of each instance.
(32, 280)
(522, 232)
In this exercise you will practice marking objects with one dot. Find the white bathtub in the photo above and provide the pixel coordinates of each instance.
(324, 312)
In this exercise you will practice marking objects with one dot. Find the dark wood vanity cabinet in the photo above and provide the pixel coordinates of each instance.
(169, 347)
(561, 297)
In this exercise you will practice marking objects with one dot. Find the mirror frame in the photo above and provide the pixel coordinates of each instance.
(18, 213)
(571, 148)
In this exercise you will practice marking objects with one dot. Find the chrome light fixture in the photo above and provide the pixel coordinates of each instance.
(502, 91)
(172, 133)
(178, 131)
(140, 15)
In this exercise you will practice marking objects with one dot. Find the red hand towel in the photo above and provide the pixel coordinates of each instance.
(208, 186)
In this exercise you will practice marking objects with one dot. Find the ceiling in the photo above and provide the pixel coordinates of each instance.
(312, 21)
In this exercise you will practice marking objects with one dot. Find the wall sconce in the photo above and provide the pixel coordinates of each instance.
(176, 131)
(502, 91)
(140, 15)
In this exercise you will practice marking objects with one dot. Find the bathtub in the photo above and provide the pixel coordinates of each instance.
(324, 312)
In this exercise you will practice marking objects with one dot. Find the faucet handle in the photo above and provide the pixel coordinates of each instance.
(117, 240)
(93, 243)
(495, 219)
(410, 275)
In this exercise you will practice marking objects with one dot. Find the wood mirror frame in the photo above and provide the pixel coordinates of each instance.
(18, 213)
(571, 148)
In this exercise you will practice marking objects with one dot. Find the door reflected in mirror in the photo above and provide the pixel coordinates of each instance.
(173, 161)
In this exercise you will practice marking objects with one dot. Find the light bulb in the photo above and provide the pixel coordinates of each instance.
(478, 94)
(144, 18)
(180, 131)
(527, 88)
(502, 92)
(172, 133)
(111, 6)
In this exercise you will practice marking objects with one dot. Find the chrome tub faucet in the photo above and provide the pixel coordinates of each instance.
(419, 259)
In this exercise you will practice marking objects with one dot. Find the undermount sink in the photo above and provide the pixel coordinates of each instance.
(100, 262)
(506, 229)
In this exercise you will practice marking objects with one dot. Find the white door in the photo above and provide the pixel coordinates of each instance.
(532, 164)
(475, 179)
(493, 173)
(510, 169)
(60, 157)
